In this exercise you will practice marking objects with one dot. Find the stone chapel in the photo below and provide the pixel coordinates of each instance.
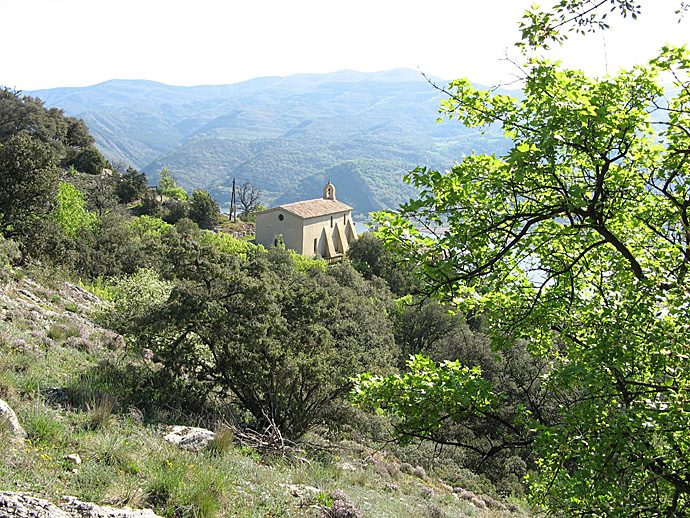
(322, 227)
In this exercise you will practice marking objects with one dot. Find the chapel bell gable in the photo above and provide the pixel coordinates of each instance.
(329, 191)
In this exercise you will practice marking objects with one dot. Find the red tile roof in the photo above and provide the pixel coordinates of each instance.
(313, 208)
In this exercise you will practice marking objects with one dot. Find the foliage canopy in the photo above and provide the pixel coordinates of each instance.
(577, 241)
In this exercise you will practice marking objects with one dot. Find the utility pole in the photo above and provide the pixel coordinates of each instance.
(233, 204)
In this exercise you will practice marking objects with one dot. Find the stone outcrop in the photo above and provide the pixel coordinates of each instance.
(10, 423)
(75, 508)
(189, 437)
(23, 505)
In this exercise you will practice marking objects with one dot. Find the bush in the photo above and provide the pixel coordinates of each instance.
(283, 342)
(134, 296)
(9, 253)
(203, 210)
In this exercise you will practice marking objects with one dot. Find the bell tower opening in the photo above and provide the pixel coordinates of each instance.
(329, 191)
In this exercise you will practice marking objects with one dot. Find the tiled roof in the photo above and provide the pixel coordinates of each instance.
(313, 208)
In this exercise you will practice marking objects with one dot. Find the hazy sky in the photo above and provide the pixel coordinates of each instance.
(49, 43)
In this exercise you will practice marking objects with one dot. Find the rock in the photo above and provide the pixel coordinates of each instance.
(189, 437)
(77, 509)
(428, 492)
(445, 486)
(74, 458)
(406, 468)
(342, 506)
(492, 503)
(9, 421)
(82, 293)
(30, 296)
(346, 466)
(301, 491)
(23, 505)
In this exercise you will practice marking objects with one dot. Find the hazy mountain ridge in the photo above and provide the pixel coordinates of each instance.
(284, 134)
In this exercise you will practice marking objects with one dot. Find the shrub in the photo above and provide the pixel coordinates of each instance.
(134, 296)
(283, 342)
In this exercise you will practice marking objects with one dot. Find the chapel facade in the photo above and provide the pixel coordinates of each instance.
(322, 227)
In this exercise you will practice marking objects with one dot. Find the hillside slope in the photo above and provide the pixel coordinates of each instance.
(67, 378)
(286, 135)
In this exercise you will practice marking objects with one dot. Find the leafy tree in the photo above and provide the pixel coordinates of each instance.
(174, 210)
(203, 209)
(167, 186)
(112, 247)
(369, 257)
(88, 160)
(71, 213)
(25, 114)
(577, 241)
(131, 186)
(541, 27)
(28, 181)
(150, 204)
(98, 190)
(282, 342)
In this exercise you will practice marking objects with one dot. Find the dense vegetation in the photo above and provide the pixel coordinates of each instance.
(542, 336)
(230, 332)
(572, 249)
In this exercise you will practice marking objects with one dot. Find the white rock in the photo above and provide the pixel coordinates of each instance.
(24, 505)
(9, 421)
(78, 509)
(74, 458)
(189, 437)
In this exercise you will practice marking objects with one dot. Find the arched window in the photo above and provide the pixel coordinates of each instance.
(316, 244)
(344, 219)
(331, 221)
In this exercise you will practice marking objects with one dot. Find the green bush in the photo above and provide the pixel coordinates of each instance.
(134, 296)
(282, 342)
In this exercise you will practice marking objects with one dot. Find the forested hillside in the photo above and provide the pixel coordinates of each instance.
(149, 359)
(286, 135)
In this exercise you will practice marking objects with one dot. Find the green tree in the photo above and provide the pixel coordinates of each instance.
(175, 210)
(578, 242)
(25, 114)
(167, 185)
(369, 257)
(203, 209)
(281, 342)
(540, 27)
(71, 213)
(28, 182)
(131, 186)
(88, 160)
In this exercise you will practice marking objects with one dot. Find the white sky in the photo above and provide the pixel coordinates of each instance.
(49, 43)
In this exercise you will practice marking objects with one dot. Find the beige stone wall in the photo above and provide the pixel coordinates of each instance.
(330, 232)
(327, 242)
(269, 225)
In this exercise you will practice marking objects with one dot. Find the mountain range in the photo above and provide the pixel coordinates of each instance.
(286, 135)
